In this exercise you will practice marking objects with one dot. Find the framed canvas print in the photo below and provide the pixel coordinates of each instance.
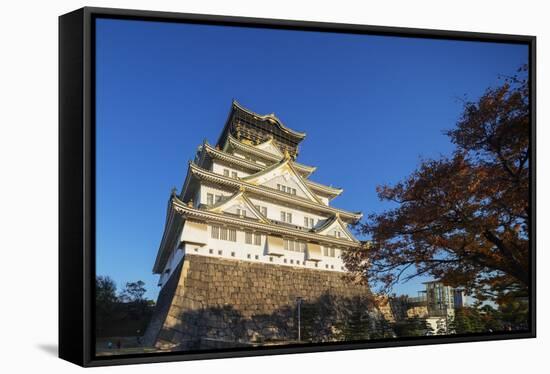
(236, 186)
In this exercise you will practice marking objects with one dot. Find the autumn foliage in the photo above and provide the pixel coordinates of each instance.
(463, 219)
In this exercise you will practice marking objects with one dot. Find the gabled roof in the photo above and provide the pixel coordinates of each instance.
(248, 148)
(269, 146)
(284, 165)
(269, 122)
(335, 222)
(272, 118)
(239, 198)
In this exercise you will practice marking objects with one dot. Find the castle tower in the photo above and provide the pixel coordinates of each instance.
(248, 236)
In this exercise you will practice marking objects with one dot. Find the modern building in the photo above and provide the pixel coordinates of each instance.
(248, 198)
(248, 235)
(443, 300)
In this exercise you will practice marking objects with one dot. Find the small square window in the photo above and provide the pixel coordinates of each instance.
(326, 266)
(256, 257)
(332, 266)
(316, 264)
(297, 262)
(285, 261)
(248, 255)
(209, 199)
(196, 249)
(220, 252)
(232, 254)
(210, 251)
(271, 259)
(226, 172)
(291, 261)
(233, 174)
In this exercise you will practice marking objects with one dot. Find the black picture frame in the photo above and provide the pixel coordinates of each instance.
(77, 181)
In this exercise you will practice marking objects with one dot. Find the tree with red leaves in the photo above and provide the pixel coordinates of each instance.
(463, 219)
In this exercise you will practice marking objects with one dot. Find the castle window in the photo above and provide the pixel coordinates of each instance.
(209, 199)
(215, 232)
(248, 256)
(261, 209)
(232, 235)
(211, 251)
(234, 174)
(226, 172)
(271, 259)
(257, 239)
(248, 237)
(220, 252)
(218, 198)
(286, 217)
(232, 254)
(223, 233)
(286, 189)
(256, 257)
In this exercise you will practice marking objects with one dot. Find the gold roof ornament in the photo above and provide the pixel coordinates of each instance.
(190, 203)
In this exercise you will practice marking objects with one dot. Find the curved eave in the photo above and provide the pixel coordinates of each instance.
(169, 236)
(263, 191)
(231, 141)
(272, 119)
(326, 190)
(190, 212)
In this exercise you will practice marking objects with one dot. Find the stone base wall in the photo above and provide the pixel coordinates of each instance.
(240, 303)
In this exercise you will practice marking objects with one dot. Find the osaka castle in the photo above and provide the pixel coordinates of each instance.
(248, 198)
(249, 230)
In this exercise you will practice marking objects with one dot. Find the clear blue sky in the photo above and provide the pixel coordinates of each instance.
(371, 106)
